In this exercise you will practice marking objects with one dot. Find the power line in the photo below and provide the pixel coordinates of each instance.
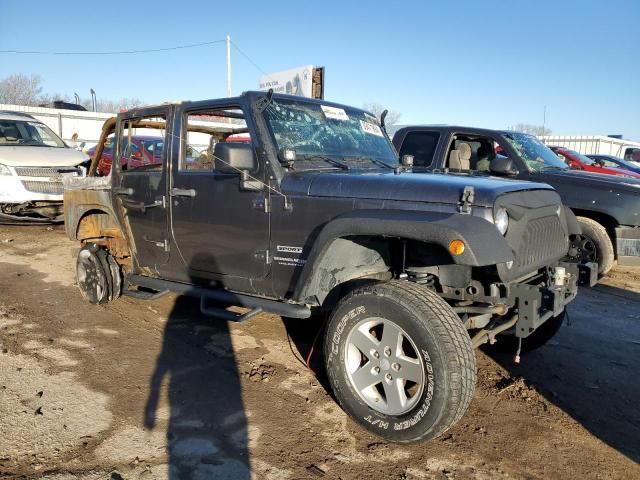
(120, 52)
(249, 59)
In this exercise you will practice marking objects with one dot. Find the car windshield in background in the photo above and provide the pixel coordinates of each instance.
(28, 134)
(583, 158)
(318, 132)
(153, 147)
(537, 156)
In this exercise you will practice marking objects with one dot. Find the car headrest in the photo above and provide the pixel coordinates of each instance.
(10, 133)
(465, 152)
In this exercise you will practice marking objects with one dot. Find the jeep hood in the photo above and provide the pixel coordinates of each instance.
(25, 156)
(413, 187)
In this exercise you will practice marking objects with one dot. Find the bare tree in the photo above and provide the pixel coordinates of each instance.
(392, 117)
(537, 130)
(20, 89)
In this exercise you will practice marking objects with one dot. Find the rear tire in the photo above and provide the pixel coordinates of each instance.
(93, 280)
(99, 275)
(399, 361)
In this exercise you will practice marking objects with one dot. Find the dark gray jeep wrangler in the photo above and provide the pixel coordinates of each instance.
(296, 206)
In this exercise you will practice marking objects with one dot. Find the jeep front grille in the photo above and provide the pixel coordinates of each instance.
(544, 240)
(50, 188)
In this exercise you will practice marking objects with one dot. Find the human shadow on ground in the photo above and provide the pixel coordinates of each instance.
(206, 426)
(590, 368)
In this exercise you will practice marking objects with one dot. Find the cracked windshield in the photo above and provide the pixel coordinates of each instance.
(537, 156)
(329, 137)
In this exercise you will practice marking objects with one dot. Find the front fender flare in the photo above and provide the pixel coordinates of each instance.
(484, 243)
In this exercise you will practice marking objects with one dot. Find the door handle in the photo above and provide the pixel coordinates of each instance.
(141, 206)
(123, 191)
(183, 192)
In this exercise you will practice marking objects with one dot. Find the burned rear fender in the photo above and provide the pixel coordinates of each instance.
(89, 216)
(78, 203)
(484, 245)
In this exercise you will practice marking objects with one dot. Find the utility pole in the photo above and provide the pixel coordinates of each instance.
(228, 66)
(544, 120)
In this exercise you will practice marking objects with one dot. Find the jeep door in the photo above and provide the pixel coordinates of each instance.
(221, 230)
(140, 189)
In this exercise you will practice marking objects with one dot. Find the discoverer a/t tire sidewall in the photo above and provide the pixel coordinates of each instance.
(441, 339)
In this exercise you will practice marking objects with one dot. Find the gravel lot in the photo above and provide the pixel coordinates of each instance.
(155, 390)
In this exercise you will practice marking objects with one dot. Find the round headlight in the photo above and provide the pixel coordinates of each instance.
(502, 220)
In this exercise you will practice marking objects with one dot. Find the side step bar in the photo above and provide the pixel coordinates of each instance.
(223, 314)
(256, 304)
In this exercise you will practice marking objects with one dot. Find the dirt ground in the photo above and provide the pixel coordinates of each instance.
(155, 390)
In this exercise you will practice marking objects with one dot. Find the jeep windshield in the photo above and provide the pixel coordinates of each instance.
(18, 133)
(324, 136)
(536, 155)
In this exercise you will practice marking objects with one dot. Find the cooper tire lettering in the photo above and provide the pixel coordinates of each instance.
(433, 338)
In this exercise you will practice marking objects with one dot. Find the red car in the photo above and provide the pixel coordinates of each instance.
(578, 161)
(143, 151)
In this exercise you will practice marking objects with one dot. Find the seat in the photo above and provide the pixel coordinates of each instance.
(454, 160)
(9, 134)
(460, 158)
(465, 156)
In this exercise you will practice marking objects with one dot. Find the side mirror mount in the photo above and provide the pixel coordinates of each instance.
(503, 166)
(407, 161)
(232, 157)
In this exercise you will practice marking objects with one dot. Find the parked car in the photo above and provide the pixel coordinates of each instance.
(316, 214)
(606, 206)
(141, 151)
(578, 161)
(616, 162)
(33, 161)
(596, 145)
(62, 105)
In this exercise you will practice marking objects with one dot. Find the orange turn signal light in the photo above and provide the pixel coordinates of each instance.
(456, 247)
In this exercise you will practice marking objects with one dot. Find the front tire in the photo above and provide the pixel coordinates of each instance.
(594, 245)
(399, 361)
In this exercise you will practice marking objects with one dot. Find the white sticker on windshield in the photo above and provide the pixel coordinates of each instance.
(334, 113)
(371, 128)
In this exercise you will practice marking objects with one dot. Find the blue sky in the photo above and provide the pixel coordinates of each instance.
(489, 63)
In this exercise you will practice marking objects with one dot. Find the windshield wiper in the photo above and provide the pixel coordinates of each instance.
(373, 160)
(332, 161)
